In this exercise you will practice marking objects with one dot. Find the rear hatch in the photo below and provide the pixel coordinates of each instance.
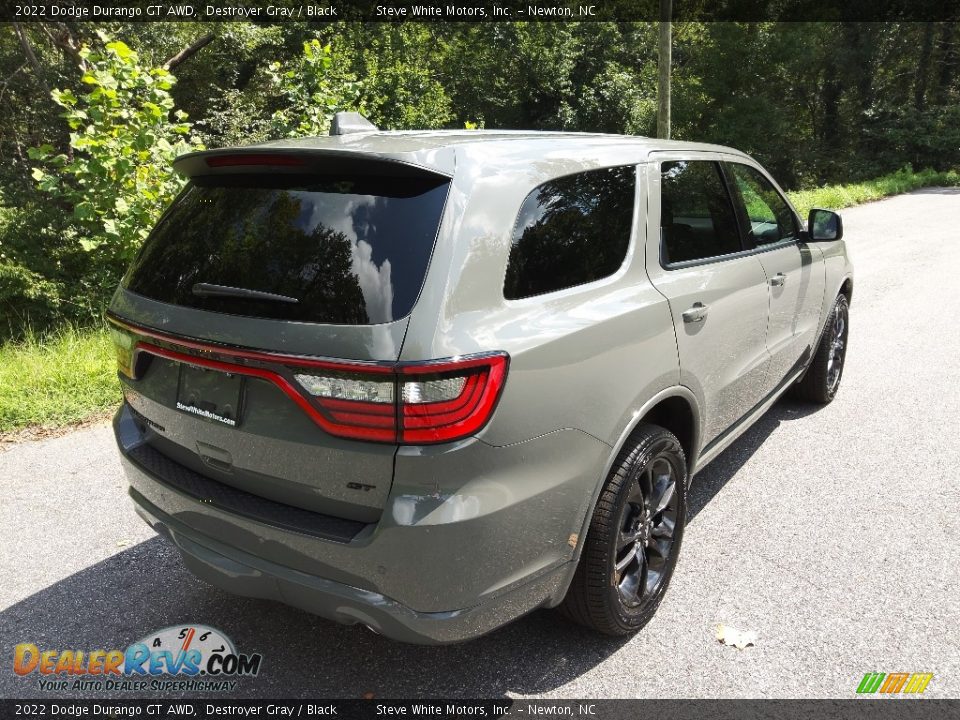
(271, 278)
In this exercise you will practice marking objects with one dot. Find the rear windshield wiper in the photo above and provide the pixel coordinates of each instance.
(208, 290)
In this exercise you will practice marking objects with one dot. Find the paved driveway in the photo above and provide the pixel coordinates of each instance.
(833, 534)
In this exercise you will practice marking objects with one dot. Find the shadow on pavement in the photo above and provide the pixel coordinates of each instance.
(146, 588)
(937, 191)
(709, 481)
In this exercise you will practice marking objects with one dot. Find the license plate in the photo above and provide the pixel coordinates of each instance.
(210, 394)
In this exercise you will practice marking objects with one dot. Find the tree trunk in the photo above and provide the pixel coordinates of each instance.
(948, 65)
(923, 68)
(31, 57)
(831, 94)
(663, 68)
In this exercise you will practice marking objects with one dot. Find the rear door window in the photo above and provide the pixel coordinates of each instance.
(697, 220)
(571, 231)
(339, 250)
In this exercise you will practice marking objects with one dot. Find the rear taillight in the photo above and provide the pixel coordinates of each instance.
(124, 344)
(357, 405)
(416, 404)
(409, 403)
(447, 400)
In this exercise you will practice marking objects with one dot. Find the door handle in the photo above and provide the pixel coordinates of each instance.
(778, 280)
(697, 313)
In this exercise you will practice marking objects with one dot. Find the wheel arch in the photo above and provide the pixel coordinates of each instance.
(846, 288)
(675, 409)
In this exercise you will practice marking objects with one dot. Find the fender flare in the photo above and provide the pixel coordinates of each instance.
(680, 391)
(823, 324)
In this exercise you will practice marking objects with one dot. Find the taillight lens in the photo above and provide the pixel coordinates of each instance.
(409, 403)
(417, 404)
(124, 344)
(355, 405)
(344, 387)
(444, 401)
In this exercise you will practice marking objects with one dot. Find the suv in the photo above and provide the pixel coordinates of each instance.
(430, 381)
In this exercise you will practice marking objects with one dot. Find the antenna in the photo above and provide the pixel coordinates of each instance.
(347, 123)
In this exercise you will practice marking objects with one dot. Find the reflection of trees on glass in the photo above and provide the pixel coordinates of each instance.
(769, 215)
(250, 238)
(571, 231)
(351, 252)
(697, 220)
(825, 225)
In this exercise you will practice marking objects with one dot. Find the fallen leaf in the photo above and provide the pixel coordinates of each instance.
(122, 543)
(738, 638)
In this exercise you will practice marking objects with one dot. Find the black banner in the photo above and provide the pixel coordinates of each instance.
(322, 11)
(854, 709)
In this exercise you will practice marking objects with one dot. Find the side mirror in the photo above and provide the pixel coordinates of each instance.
(824, 225)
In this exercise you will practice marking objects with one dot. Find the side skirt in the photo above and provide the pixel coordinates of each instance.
(728, 436)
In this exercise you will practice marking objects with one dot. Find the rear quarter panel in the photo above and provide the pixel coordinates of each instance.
(585, 357)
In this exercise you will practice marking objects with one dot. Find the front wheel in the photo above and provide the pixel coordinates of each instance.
(634, 536)
(822, 380)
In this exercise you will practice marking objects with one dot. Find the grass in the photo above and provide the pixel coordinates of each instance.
(57, 380)
(836, 197)
(70, 376)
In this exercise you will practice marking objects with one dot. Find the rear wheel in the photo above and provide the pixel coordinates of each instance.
(634, 536)
(822, 380)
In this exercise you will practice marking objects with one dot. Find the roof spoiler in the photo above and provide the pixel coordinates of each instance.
(347, 123)
(279, 159)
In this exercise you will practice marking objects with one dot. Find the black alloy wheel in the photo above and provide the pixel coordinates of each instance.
(647, 529)
(634, 536)
(822, 379)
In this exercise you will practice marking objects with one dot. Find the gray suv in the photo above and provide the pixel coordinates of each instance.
(428, 382)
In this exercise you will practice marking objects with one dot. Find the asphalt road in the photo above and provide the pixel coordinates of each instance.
(834, 534)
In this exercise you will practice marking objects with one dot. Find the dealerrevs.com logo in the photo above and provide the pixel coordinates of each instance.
(192, 658)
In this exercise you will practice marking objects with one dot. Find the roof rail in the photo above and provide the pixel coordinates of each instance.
(347, 123)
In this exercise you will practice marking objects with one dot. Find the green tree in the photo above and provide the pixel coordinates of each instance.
(313, 88)
(115, 179)
(400, 67)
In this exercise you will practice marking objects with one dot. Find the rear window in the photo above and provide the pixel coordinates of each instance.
(340, 250)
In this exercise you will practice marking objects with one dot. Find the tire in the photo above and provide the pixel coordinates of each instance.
(822, 380)
(601, 596)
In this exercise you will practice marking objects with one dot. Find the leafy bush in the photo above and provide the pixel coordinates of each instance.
(397, 63)
(925, 138)
(835, 197)
(313, 89)
(44, 277)
(116, 177)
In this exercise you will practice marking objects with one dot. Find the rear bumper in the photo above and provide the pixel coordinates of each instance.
(472, 536)
(244, 574)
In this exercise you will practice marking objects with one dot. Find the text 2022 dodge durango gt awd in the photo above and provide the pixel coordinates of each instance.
(430, 381)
